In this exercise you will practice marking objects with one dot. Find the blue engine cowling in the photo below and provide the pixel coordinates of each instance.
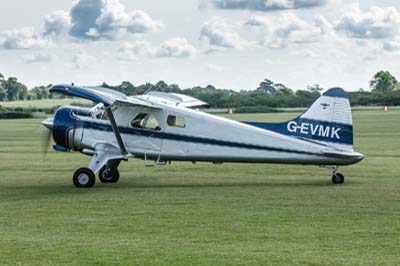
(65, 123)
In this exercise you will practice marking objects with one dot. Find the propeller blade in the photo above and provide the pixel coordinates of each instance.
(46, 138)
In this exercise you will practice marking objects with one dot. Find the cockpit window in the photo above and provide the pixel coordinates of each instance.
(176, 121)
(146, 121)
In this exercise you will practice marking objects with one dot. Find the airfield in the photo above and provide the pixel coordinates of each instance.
(202, 214)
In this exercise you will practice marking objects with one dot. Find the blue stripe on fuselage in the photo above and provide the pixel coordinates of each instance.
(185, 138)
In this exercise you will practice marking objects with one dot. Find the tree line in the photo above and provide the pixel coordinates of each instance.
(385, 90)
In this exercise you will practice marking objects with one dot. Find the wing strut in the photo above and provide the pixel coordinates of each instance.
(116, 130)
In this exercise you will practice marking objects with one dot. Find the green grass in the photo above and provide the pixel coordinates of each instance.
(43, 103)
(203, 214)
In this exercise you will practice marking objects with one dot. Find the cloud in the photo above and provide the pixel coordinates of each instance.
(377, 23)
(94, 19)
(288, 28)
(263, 5)
(392, 46)
(37, 58)
(82, 60)
(129, 51)
(56, 23)
(176, 47)
(217, 33)
(24, 38)
(258, 21)
(213, 68)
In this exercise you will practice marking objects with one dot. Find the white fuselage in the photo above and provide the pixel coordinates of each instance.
(206, 137)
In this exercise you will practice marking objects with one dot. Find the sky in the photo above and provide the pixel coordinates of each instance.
(231, 44)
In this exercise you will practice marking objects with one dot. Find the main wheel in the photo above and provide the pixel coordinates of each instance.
(105, 177)
(337, 178)
(84, 178)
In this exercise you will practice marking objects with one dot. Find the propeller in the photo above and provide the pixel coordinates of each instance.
(46, 137)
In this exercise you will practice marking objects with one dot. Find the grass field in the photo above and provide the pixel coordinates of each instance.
(203, 214)
(43, 103)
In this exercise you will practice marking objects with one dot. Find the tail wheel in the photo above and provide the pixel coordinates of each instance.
(337, 178)
(84, 178)
(106, 177)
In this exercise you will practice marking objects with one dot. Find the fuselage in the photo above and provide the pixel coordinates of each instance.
(198, 137)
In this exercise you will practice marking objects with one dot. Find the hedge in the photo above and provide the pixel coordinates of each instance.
(15, 115)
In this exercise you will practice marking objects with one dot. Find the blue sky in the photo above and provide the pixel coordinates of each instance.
(228, 43)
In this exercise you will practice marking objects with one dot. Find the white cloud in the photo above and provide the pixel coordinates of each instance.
(258, 21)
(392, 46)
(176, 47)
(129, 51)
(37, 58)
(288, 28)
(216, 32)
(81, 60)
(377, 23)
(213, 68)
(263, 5)
(24, 38)
(93, 19)
(56, 23)
(141, 22)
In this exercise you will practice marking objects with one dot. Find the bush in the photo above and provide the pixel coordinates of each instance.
(15, 115)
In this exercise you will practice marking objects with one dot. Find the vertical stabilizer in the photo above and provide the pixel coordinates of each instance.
(327, 121)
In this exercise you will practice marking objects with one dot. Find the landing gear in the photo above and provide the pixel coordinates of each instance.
(106, 176)
(84, 178)
(337, 178)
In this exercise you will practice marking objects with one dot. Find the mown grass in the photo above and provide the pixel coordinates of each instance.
(203, 214)
(48, 103)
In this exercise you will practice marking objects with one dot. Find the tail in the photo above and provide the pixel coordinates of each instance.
(327, 121)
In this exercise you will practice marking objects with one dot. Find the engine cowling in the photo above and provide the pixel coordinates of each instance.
(68, 127)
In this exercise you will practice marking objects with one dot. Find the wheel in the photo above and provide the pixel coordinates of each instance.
(337, 178)
(84, 178)
(106, 177)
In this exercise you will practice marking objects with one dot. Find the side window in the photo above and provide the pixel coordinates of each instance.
(176, 121)
(146, 121)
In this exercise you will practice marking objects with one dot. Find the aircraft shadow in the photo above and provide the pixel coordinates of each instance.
(54, 190)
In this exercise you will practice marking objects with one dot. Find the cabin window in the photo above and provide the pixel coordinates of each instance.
(176, 121)
(146, 121)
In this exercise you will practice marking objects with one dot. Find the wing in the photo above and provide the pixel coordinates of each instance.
(178, 99)
(101, 95)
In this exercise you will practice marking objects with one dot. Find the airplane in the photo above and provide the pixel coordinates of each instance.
(162, 127)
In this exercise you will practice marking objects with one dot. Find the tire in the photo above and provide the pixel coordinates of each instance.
(104, 178)
(84, 178)
(337, 178)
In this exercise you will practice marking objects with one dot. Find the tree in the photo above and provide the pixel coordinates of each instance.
(15, 90)
(267, 86)
(3, 94)
(39, 93)
(384, 82)
(284, 91)
(315, 88)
